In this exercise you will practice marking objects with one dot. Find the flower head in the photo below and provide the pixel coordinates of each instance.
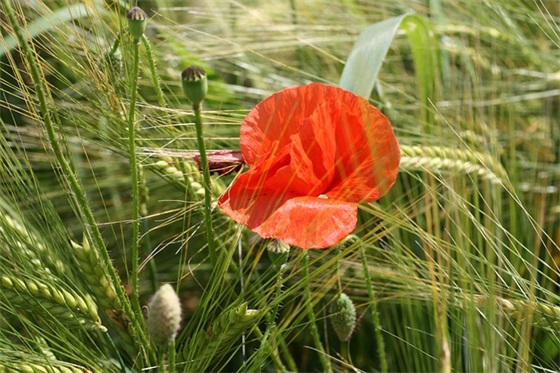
(164, 316)
(314, 153)
(137, 20)
(195, 84)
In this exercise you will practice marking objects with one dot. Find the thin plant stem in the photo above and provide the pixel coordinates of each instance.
(271, 327)
(374, 314)
(309, 308)
(207, 184)
(80, 199)
(153, 71)
(161, 361)
(345, 353)
(116, 44)
(171, 358)
(275, 358)
(135, 182)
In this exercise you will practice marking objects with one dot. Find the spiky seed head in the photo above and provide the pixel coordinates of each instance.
(343, 316)
(164, 316)
(195, 84)
(137, 20)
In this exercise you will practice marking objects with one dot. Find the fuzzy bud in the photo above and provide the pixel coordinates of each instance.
(164, 316)
(137, 20)
(343, 317)
(195, 84)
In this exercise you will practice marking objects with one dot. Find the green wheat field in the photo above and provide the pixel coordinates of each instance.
(114, 256)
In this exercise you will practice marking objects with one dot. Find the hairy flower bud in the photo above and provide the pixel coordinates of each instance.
(164, 316)
(343, 317)
(195, 84)
(137, 20)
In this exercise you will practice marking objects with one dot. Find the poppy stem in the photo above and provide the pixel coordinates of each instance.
(171, 358)
(207, 184)
(135, 181)
(374, 313)
(153, 72)
(312, 323)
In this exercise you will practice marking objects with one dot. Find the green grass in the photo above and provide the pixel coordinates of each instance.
(462, 255)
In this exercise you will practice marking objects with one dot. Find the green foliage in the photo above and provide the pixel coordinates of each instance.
(456, 269)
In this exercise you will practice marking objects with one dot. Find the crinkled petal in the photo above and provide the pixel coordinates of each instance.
(304, 142)
(270, 124)
(310, 222)
(367, 153)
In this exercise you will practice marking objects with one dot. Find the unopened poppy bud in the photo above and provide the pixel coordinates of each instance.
(137, 20)
(195, 84)
(112, 60)
(343, 317)
(278, 252)
(164, 316)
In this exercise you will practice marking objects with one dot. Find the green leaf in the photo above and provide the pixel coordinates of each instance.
(365, 61)
(367, 56)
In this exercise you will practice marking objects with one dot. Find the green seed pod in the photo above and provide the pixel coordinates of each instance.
(137, 20)
(343, 317)
(195, 84)
(164, 316)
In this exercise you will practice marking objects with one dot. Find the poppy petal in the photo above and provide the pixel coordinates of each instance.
(305, 142)
(367, 154)
(269, 125)
(310, 222)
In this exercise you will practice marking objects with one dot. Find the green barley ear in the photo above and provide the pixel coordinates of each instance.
(343, 317)
(137, 20)
(46, 299)
(164, 316)
(195, 84)
(96, 276)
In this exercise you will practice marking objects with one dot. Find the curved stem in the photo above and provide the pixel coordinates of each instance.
(309, 308)
(79, 195)
(207, 185)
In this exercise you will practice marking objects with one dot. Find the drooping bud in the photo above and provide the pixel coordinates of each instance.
(112, 60)
(278, 253)
(164, 316)
(195, 84)
(137, 20)
(343, 317)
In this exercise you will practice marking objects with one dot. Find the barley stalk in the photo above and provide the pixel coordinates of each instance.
(22, 367)
(29, 245)
(169, 167)
(44, 299)
(95, 276)
(227, 328)
(543, 315)
(437, 158)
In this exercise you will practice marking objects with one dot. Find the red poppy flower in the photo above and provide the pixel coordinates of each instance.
(314, 152)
